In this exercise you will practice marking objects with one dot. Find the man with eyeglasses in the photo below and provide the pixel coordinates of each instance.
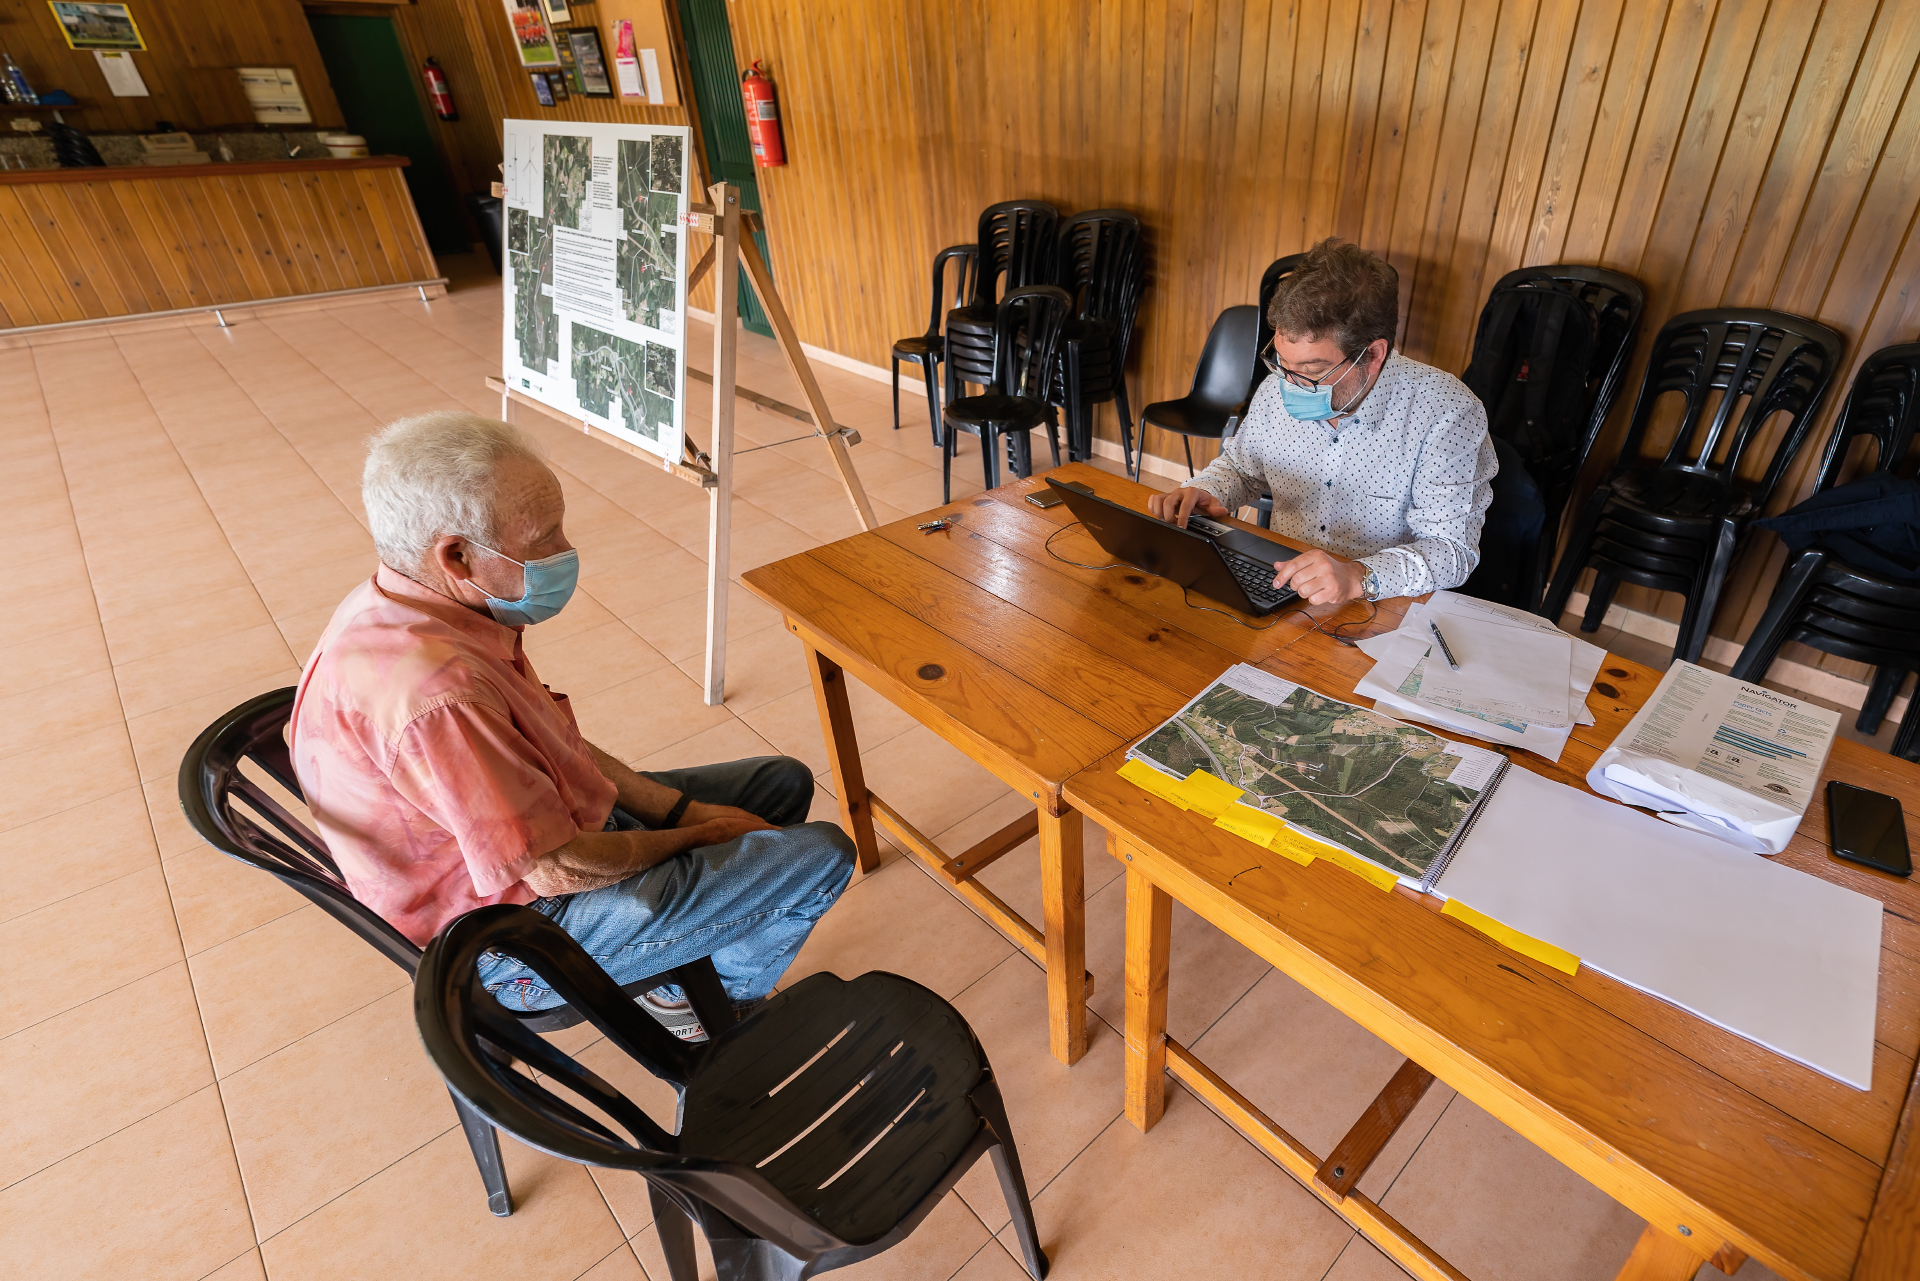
(1379, 461)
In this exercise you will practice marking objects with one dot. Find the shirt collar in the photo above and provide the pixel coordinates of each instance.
(496, 638)
(1374, 407)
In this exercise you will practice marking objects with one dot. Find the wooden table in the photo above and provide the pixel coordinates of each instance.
(1032, 667)
(1725, 1148)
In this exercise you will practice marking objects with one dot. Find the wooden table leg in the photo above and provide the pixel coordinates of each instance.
(849, 780)
(1658, 1256)
(1149, 931)
(1064, 909)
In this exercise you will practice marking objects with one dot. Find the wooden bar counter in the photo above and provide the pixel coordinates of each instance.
(105, 243)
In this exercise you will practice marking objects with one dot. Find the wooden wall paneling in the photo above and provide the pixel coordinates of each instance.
(88, 237)
(1371, 224)
(151, 242)
(118, 231)
(242, 211)
(1574, 118)
(1790, 42)
(1529, 63)
(193, 221)
(1628, 72)
(85, 300)
(1453, 152)
(1426, 118)
(49, 291)
(1886, 70)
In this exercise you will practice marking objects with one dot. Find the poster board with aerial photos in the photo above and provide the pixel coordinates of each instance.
(596, 274)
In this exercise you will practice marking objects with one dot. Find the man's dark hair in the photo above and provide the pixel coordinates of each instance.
(1339, 291)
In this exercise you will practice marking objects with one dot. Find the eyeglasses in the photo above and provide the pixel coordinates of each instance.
(1271, 360)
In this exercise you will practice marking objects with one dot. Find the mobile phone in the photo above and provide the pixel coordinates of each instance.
(1045, 499)
(1868, 827)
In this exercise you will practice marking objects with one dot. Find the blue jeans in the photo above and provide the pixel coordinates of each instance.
(749, 904)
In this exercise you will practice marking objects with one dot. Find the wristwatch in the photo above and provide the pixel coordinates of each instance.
(1371, 586)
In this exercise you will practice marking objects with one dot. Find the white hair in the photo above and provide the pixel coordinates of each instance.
(432, 475)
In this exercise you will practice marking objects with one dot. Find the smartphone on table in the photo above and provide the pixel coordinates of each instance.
(1868, 827)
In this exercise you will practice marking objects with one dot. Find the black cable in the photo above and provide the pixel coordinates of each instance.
(1186, 598)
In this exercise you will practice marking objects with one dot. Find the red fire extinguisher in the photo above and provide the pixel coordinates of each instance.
(763, 117)
(437, 91)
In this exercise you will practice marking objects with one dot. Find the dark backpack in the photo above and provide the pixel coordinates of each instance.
(1530, 367)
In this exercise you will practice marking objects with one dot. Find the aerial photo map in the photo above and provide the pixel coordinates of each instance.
(649, 246)
(530, 253)
(566, 168)
(610, 371)
(1390, 792)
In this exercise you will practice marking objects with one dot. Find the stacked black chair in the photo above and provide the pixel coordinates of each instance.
(213, 791)
(1017, 245)
(1673, 523)
(1102, 263)
(1549, 358)
(1822, 601)
(1222, 384)
(819, 1132)
(930, 349)
(1027, 330)
(1277, 270)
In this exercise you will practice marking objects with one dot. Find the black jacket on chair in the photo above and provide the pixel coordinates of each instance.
(1873, 524)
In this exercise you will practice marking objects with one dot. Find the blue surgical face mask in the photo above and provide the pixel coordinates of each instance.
(1313, 404)
(549, 586)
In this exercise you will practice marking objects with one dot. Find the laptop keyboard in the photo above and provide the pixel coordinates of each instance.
(1256, 576)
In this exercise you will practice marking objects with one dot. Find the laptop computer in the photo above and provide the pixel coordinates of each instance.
(1229, 565)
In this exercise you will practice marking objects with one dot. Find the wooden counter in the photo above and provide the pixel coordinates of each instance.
(94, 244)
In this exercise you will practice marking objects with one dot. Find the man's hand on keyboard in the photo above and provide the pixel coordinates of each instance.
(1321, 578)
(1176, 505)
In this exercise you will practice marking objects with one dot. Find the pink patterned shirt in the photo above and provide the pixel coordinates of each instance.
(436, 764)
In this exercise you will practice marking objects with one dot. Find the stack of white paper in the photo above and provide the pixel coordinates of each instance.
(1522, 681)
(1722, 756)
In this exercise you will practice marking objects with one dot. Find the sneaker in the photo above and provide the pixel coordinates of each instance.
(672, 1012)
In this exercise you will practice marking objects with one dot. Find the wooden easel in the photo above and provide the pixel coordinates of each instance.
(723, 219)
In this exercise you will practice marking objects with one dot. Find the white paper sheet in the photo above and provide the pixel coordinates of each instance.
(1506, 671)
(1775, 955)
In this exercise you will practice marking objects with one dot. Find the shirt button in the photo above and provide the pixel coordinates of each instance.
(1329, 484)
(1323, 529)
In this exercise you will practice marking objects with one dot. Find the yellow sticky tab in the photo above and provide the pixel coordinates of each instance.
(1378, 877)
(1149, 779)
(1209, 795)
(1288, 843)
(1505, 935)
(1255, 825)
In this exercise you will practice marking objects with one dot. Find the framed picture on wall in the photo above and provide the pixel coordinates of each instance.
(541, 89)
(589, 62)
(557, 12)
(532, 37)
(96, 26)
(557, 82)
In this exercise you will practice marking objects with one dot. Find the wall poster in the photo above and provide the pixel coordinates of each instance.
(596, 274)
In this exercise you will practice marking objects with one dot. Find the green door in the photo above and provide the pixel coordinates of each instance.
(723, 122)
(374, 84)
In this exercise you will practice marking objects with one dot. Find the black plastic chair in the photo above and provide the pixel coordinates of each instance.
(819, 1132)
(1277, 270)
(1103, 266)
(1026, 341)
(1222, 384)
(1017, 246)
(1549, 357)
(1822, 601)
(1673, 523)
(930, 349)
(233, 813)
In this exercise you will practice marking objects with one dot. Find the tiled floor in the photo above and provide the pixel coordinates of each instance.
(209, 1078)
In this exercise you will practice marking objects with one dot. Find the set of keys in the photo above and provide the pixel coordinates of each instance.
(939, 526)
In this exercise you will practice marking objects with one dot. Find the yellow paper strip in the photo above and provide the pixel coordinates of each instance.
(1378, 877)
(1149, 779)
(1255, 825)
(1505, 935)
(1209, 795)
(1289, 844)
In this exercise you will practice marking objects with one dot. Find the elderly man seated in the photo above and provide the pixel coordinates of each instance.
(445, 776)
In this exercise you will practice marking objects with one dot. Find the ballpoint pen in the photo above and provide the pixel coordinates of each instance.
(1446, 651)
